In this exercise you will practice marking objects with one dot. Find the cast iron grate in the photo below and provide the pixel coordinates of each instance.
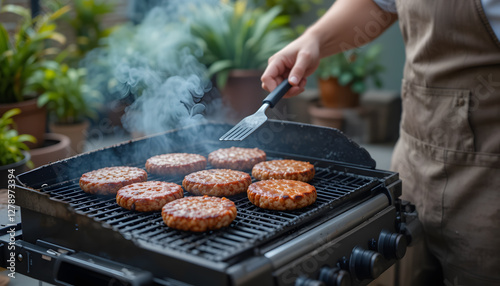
(252, 226)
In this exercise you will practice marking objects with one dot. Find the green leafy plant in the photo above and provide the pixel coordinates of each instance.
(235, 36)
(353, 68)
(21, 55)
(64, 92)
(86, 23)
(11, 143)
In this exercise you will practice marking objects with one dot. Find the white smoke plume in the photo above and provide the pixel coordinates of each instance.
(155, 64)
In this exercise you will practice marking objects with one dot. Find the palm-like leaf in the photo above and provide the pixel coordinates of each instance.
(235, 36)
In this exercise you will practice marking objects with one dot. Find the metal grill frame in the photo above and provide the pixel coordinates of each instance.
(252, 226)
(59, 225)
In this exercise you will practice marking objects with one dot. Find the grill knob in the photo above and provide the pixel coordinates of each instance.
(304, 281)
(392, 245)
(334, 276)
(366, 264)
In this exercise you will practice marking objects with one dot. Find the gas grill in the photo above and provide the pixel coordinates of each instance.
(356, 229)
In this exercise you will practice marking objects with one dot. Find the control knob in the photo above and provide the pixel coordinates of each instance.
(304, 281)
(335, 276)
(392, 245)
(366, 264)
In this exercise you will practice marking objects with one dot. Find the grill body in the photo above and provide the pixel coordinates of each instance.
(85, 239)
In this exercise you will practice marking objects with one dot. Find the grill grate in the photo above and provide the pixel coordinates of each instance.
(251, 227)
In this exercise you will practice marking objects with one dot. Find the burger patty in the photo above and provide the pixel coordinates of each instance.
(284, 169)
(281, 194)
(199, 213)
(175, 164)
(148, 196)
(107, 181)
(236, 158)
(217, 182)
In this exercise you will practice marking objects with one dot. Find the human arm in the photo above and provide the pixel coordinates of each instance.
(347, 24)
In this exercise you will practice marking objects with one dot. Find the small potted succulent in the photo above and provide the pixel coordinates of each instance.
(14, 156)
(343, 77)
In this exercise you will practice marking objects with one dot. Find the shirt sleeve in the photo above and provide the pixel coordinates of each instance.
(492, 10)
(387, 5)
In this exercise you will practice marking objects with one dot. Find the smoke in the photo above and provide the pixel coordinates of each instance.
(154, 65)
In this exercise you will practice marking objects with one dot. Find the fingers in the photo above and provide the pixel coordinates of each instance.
(273, 75)
(298, 71)
(295, 90)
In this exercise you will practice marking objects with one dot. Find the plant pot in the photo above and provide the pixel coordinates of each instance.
(326, 116)
(334, 95)
(18, 167)
(32, 119)
(56, 147)
(76, 132)
(243, 94)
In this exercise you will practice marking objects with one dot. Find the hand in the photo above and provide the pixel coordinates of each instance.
(296, 62)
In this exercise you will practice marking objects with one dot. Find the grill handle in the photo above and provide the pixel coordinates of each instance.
(86, 269)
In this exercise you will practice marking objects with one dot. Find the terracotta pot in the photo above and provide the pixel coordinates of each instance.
(334, 95)
(326, 116)
(31, 120)
(243, 94)
(17, 167)
(77, 134)
(56, 147)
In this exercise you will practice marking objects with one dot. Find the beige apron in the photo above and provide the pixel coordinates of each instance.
(448, 155)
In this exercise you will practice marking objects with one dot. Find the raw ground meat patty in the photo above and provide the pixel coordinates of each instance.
(199, 213)
(281, 194)
(217, 182)
(175, 164)
(148, 196)
(284, 169)
(107, 181)
(236, 158)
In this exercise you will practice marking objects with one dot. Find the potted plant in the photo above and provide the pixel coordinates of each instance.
(83, 26)
(68, 99)
(20, 56)
(342, 77)
(14, 157)
(237, 41)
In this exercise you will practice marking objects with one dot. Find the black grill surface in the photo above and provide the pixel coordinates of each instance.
(252, 226)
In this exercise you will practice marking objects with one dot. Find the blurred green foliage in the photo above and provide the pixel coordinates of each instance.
(11, 143)
(64, 92)
(236, 36)
(85, 19)
(23, 54)
(354, 67)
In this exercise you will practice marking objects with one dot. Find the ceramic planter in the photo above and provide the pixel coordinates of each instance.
(32, 119)
(56, 147)
(76, 132)
(243, 93)
(334, 95)
(18, 167)
(326, 116)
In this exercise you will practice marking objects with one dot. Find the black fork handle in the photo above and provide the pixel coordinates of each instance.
(277, 93)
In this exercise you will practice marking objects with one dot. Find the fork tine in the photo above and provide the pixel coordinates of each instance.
(250, 123)
(236, 134)
(231, 133)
